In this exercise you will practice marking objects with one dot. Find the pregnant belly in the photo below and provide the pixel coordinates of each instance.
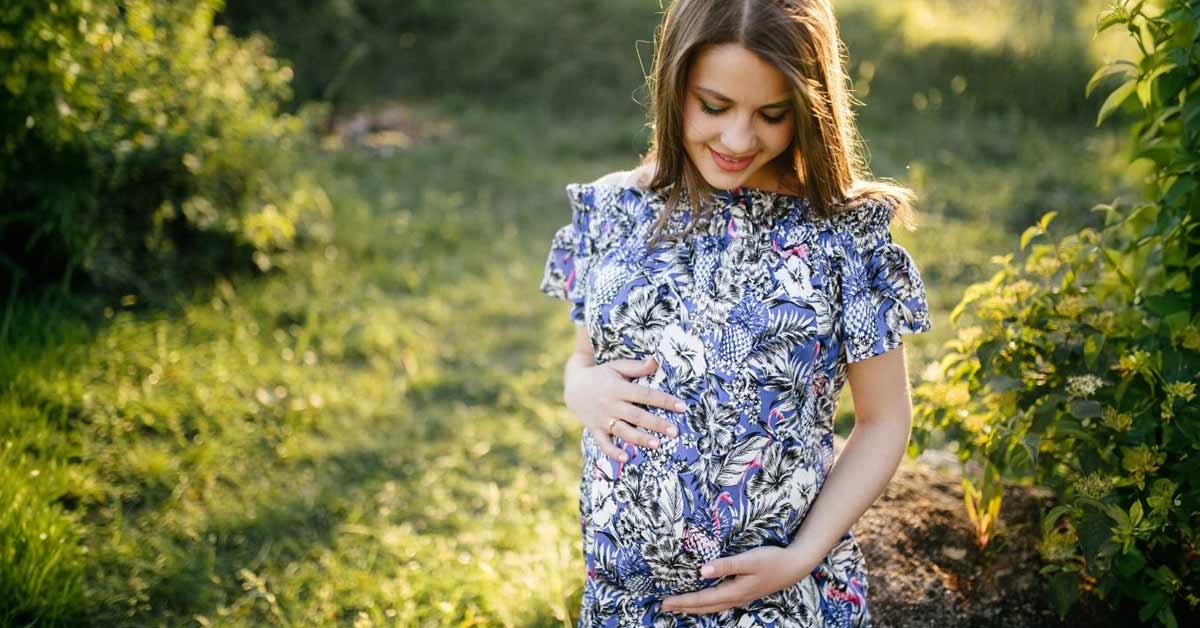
(651, 523)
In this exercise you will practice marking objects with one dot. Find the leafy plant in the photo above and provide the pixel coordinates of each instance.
(141, 143)
(983, 506)
(1076, 367)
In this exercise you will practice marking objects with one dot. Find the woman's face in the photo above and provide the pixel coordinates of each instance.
(737, 117)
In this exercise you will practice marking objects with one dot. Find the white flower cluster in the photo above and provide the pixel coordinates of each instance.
(1083, 385)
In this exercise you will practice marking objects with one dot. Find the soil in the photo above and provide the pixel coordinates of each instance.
(925, 570)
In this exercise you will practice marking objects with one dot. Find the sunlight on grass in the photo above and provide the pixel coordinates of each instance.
(1024, 26)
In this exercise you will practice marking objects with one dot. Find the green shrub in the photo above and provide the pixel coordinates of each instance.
(1076, 368)
(141, 144)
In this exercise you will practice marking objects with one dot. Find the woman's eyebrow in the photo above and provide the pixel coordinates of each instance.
(719, 96)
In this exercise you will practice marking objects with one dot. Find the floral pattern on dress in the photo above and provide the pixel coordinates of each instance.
(752, 320)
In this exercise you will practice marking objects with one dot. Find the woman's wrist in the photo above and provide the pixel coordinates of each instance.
(803, 558)
(576, 361)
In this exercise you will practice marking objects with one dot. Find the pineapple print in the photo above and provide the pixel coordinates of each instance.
(701, 542)
(747, 322)
(858, 311)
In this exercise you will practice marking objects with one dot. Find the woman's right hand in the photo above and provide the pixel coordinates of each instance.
(598, 393)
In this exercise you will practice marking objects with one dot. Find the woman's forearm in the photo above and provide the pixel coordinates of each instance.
(867, 463)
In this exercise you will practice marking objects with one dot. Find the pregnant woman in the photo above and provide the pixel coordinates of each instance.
(725, 290)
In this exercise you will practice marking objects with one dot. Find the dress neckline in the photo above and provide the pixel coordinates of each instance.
(745, 191)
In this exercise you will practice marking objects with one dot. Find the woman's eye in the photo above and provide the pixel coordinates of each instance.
(704, 106)
(775, 119)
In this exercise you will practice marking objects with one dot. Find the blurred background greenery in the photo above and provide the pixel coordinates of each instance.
(249, 249)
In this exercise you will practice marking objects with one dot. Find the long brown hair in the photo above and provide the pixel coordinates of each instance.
(800, 38)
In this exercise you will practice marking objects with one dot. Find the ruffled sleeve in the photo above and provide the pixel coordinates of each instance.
(882, 294)
(576, 245)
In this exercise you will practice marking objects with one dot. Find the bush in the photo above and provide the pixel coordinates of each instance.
(1078, 367)
(142, 145)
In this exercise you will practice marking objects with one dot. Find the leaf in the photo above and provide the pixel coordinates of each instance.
(1136, 512)
(1094, 530)
(1052, 517)
(1045, 412)
(1116, 513)
(1109, 18)
(1063, 591)
(1182, 186)
(1001, 383)
(987, 351)
(1029, 234)
(1091, 349)
(1167, 304)
(1031, 443)
(1115, 100)
(1121, 66)
(1044, 221)
(739, 457)
(670, 500)
(1129, 563)
(1084, 408)
(757, 523)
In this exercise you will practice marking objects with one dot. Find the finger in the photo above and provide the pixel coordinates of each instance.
(648, 396)
(607, 447)
(633, 368)
(704, 610)
(631, 434)
(727, 566)
(724, 593)
(636, 416)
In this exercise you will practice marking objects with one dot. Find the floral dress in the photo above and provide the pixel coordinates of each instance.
(752, 320)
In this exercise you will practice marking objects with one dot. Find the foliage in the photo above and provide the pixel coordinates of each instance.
(139, 141)
(526, 55)
(1077, 367)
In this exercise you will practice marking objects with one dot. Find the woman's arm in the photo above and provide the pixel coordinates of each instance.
(882, 422)
(581, 354)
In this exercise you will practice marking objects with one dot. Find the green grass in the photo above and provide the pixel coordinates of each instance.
(373, 433)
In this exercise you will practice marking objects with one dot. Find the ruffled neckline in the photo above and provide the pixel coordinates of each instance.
(762, 209)
(744, 192)
(758, 205)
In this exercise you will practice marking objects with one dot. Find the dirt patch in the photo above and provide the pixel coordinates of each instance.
(386, 128)
(924, 569)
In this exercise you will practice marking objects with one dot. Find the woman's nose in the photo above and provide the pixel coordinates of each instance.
(738, 137)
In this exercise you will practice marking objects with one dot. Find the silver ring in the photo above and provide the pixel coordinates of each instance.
(611, 423)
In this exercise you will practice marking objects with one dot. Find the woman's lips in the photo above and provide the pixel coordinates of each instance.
(730, 165)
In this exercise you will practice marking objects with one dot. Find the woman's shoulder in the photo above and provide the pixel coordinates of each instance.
(638, 177)
(617, 194)
(619, 198)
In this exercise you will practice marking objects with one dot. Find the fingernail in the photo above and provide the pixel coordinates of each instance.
(623, 458)
(672, 431)
(706, 571)
(654, 442)
(681, 407)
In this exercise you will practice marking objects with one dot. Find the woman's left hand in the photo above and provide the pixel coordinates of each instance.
(756, 573)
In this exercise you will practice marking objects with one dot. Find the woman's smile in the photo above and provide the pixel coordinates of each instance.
(728, 163)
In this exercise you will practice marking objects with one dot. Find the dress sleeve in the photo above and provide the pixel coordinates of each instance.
(573, 248)
(882, 294)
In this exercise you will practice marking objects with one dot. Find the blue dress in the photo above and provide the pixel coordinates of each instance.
(752, 320)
